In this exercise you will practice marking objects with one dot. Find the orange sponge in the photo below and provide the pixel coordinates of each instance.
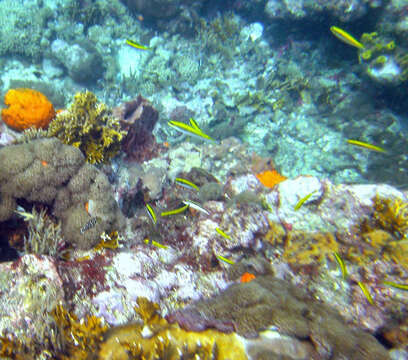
(27, 108)
(270, 178)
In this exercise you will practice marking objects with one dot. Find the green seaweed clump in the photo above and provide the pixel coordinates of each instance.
(89, 126)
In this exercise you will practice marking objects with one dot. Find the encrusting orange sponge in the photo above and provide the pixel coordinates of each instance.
(27, 108)
(270, 178)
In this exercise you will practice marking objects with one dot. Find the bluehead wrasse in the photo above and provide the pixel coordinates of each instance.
(366, 145)
(175, 211)
(187, 184)
(346, 37)
(222, 233)
(366, 292)
(396, 285)
(303, 200)
(155, 243)
(26, 215)
(196, 206)
(136, 45)
(342, 264)
(222, 258)
(190, 130)
(151, 214)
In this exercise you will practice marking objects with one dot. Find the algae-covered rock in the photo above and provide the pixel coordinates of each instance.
(45, 171)
(268, 302)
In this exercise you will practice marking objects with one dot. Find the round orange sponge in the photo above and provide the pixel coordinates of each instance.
(27, 108)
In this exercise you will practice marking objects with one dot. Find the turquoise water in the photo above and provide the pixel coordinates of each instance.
(286, 87)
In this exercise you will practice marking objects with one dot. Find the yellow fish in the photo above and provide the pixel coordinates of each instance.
(155, 243)
(366, 292)
(187, 184)
(151, 214)
(193, 129)
(222, 258)
(303, 200)
(136, 45)
(222, 233)
(175, 211)
(366, 145)
(396, 285)
(346, 37)
(342, 264)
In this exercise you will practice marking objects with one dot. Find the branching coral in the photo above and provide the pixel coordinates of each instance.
(89, 126)
(27, 108)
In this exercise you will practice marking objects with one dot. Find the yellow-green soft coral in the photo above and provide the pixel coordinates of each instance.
(90, 126)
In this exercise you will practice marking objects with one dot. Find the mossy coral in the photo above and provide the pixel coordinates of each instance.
(89, 126)
(302, 248)
(27, 108)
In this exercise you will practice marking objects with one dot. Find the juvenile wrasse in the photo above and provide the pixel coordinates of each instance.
(136, 45)
(222, 258)
(366, 145)
(303, 200)
(155, 243)
(175, 211)
(187, 184)
(366, 292)
(396, 285)
(346, 37)
(151, 214)
(222, 233)
(342, 264)
(196, 206)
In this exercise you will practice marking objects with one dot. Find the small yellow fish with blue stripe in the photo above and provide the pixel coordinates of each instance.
(342, 264)
(366, 145)
(366, 293)
(222, 258)
(136, 45)
(303, 200)
(193, 129)
(346, 37)
(222, 233)
(151, 214)
(174, 211)
(186, 183)
(154, 243)
(396, 285)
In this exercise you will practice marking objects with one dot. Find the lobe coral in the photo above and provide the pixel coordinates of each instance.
(27, 108)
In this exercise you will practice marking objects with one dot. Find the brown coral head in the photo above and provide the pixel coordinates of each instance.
(138, 117)
(138, 113)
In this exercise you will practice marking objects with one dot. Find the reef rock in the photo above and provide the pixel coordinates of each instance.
(48, 172)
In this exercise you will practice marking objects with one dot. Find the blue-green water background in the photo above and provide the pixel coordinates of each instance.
(286, 87)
